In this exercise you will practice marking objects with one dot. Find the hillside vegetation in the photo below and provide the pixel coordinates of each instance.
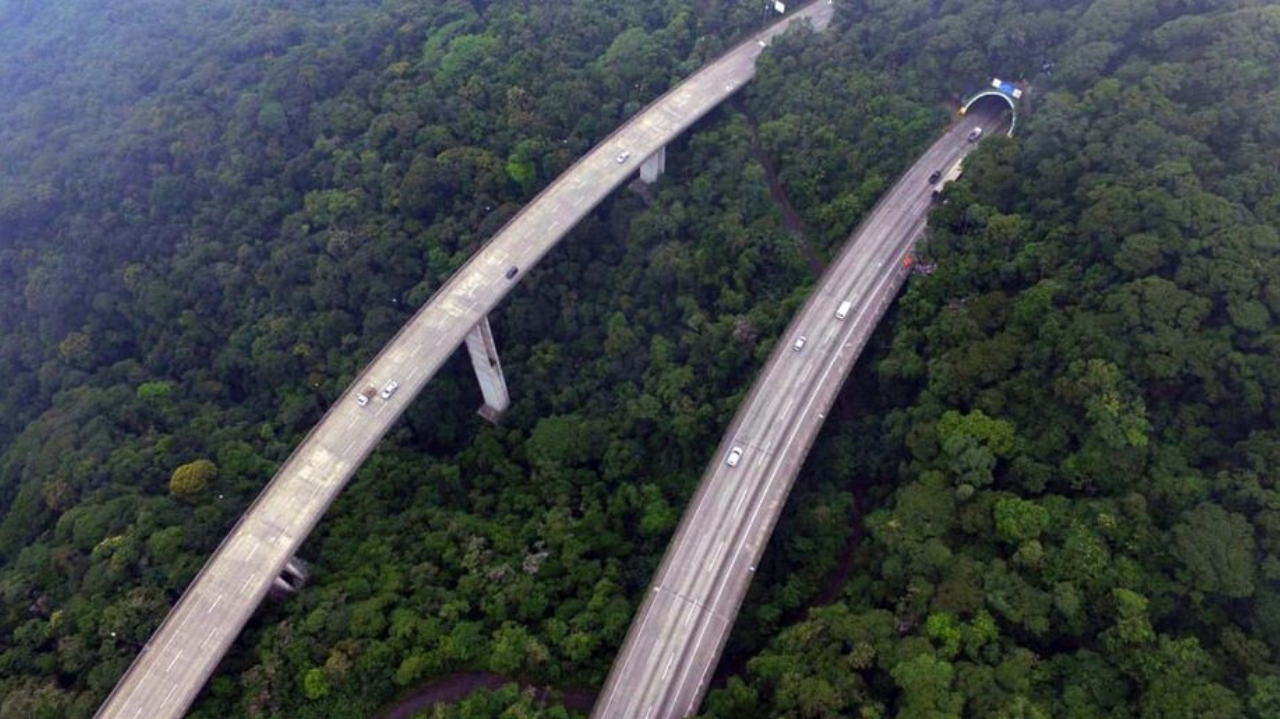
(1052, 481)
(1075, 431)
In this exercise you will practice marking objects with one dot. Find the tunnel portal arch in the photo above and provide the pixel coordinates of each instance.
(994, 93)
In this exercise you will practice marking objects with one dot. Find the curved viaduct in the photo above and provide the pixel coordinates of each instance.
(168, 674)
(684, 620)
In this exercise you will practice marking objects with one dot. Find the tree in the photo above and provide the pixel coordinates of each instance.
(189, 481)
(314, 684)
(558, 440)
(1217, 550)
(926, 687)
(1132, 626)
(1018, 520)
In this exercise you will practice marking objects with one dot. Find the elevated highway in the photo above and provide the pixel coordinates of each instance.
(184, 651)
(676, 638)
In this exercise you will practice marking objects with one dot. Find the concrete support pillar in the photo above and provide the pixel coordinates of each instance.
(292, 578)
(654, 166)
(484, 357)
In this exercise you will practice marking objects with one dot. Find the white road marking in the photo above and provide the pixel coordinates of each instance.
(168, 696)
(667, 671)
(214, 604)
(184, 621)
(248, 581)
(208, 636)
(173, 661)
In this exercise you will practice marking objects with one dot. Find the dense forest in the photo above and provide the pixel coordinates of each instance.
(1050, 488)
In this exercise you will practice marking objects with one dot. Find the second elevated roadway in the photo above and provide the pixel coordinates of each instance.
(676, 638)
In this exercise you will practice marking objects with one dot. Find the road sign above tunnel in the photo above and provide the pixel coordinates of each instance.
(1007, 88)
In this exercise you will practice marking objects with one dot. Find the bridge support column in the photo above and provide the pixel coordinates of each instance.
(292, 578)
(654, 166)
(484, 357)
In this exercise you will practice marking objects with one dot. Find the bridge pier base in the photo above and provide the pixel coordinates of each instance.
(655, 165)
(484, 357)
(292, 578)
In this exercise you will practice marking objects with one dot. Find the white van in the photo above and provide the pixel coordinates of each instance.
(843, 310)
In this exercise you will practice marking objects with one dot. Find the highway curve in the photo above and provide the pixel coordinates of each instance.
(676, 638)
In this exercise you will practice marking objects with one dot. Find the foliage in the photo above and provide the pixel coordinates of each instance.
(190, 480)
(1051, 485)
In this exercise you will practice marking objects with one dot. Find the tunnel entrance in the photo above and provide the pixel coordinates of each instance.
(997, 104)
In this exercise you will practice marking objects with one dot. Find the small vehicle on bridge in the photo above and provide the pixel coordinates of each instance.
(735, 454)
(511, 272)
(389, 389)
(937, 175)
(843, 310)
(799, 345)
(622, 156)
(974, 134)
(365, 395)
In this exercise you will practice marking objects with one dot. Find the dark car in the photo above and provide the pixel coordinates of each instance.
(511, 273)
(937, 175)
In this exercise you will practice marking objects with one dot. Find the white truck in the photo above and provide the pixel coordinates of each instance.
(843, 310)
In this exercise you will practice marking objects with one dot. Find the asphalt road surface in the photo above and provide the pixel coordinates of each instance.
(169, 672)
(676, 638)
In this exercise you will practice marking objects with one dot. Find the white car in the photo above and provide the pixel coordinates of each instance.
(622, 156)
(974, 134)
(389, 389)
(365, 395)
(799, 345)
(735, 454)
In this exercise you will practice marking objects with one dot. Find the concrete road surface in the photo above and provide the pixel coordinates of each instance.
(176, 662)
(684, 620)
